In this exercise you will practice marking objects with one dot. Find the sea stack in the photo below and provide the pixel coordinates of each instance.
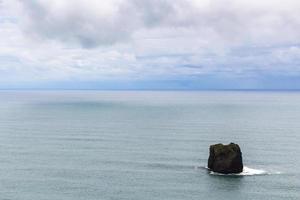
(225, 159)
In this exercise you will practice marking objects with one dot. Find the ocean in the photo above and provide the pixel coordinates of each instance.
(147, 145)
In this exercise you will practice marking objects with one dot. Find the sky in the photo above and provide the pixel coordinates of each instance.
(150, 44)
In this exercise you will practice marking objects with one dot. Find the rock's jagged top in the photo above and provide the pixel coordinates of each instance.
(225, 159)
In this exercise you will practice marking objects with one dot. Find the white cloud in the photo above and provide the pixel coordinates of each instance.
(95, 23)
(140, 39)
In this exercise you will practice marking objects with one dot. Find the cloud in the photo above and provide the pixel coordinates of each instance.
(95, 23)
(61, 40)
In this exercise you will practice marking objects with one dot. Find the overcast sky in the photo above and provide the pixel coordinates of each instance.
(150, 44)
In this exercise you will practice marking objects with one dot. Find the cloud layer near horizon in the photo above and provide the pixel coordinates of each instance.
(61, 40)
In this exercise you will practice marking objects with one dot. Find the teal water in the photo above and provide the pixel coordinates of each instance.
(88, 145)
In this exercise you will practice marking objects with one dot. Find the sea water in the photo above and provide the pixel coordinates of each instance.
(146, 145)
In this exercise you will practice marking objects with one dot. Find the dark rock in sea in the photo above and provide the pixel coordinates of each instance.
(225, 159)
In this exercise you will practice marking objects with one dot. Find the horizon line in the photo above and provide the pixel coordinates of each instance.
(91, 89)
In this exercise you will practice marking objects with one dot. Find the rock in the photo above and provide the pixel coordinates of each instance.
(226, 159)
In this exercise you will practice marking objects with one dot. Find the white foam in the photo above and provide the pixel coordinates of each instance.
(247, 171)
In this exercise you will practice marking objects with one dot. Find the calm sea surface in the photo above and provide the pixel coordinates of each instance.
(90, 145)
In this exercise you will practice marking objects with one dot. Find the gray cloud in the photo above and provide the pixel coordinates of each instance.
(75, 24)
(92, 24)
(82, 23)
(144, 39)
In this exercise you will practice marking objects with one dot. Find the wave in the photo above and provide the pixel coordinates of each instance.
(247, 171)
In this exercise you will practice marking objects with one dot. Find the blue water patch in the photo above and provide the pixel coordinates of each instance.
(90, 145)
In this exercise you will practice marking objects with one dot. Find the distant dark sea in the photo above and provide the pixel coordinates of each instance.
(147, 145)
